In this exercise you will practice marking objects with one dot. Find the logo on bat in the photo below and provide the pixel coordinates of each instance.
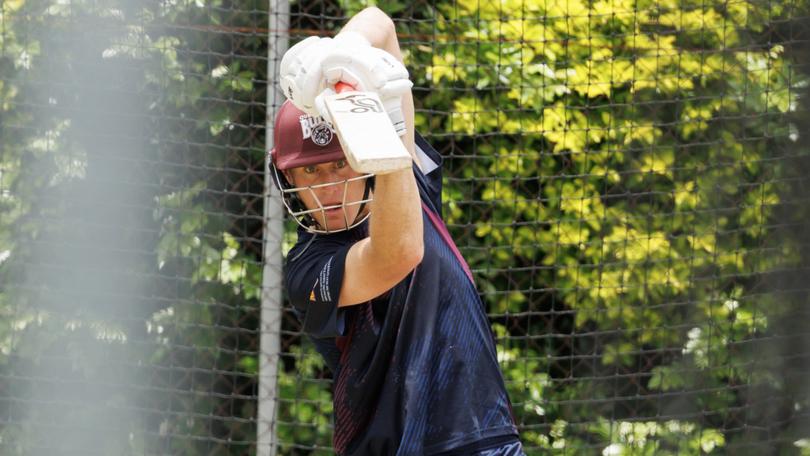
(362, 103)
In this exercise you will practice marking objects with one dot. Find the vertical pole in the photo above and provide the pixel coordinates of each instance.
(271, 312)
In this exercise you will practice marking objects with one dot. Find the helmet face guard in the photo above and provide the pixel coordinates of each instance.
(305, 217)
(300, 140)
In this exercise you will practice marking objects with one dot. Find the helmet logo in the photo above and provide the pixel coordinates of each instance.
(317, 129)
(322, 135)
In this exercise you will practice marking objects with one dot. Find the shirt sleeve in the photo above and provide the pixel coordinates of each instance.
(429, 178)
(314, 278)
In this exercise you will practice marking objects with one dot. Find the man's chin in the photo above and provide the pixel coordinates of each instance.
(333, 224)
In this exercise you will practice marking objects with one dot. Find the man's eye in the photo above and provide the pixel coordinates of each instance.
(309, 169)
(340, 164)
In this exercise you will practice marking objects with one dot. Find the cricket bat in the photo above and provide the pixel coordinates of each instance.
(365, 131)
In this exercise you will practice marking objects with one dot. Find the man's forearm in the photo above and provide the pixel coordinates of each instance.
(396, 216)
(396, 219)
(377, 28)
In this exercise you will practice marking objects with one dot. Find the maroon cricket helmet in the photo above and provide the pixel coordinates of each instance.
(303, 140)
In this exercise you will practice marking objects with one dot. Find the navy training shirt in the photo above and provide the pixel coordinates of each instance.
(416, 371)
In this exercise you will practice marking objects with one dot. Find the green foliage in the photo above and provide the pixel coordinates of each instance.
(306, 403)
(653, 438)
(622, 161)
(608, 152)
(52, 152)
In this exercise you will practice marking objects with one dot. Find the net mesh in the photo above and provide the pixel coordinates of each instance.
(627, 180)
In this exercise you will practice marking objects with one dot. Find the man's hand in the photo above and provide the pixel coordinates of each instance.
(311, 68)
(373, 70)
(301, 76)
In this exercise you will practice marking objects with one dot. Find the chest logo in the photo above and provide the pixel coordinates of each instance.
(312, 293)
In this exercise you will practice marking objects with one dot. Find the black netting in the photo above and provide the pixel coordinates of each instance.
(627, 180)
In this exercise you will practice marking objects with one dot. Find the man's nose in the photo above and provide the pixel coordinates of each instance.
(330, 192)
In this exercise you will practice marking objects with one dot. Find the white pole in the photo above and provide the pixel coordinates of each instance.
(271, 312)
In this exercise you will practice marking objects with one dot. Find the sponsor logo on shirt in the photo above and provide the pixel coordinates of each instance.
(326, 296)
(322, 285)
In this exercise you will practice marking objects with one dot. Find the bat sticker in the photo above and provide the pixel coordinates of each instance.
(362, 103)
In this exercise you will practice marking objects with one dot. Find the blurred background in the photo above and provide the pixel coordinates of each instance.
(628, 179)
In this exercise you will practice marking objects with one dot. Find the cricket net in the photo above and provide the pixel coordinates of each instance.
(628, 181)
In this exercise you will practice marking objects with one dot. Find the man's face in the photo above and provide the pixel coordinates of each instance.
(336, 199)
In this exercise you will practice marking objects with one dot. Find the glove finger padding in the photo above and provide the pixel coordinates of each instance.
(395, 88)
(294, 52)
(368, 69)
(301, 78)
(372, 70)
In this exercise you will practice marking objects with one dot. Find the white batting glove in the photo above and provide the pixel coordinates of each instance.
(372, 70)
(301, 77)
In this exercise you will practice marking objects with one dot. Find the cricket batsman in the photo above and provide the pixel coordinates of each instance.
(375, 278)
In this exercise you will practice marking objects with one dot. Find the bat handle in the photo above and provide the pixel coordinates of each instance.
(343, 87)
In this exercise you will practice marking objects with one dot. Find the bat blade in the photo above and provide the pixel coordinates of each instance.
(366, 133)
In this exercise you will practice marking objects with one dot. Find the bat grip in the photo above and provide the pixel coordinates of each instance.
(343, 87)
